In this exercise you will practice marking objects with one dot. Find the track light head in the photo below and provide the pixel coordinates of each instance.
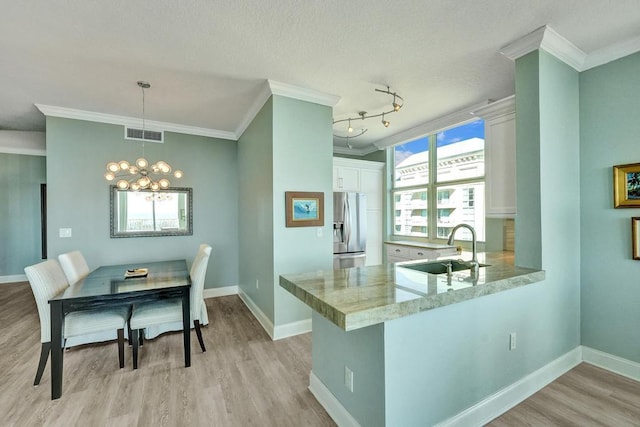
(386, 123)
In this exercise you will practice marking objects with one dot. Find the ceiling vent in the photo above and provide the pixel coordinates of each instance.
(144, 135)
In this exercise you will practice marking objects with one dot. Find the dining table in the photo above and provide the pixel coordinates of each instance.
(108, 287)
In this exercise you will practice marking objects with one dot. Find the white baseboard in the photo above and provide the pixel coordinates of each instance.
(262, 318)
(13, 279)
(611, 363)
(220, 292)
(275, 332)
(505, 399)
(334, 408)
(291, 329)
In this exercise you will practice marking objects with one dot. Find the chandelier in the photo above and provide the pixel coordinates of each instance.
(140, 175)
(349, 132)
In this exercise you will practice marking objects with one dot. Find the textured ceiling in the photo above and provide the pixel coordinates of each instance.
(207, 60)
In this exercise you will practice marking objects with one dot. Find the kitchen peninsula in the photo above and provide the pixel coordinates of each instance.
(374, 329)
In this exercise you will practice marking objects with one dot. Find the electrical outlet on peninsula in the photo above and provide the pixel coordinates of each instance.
(348, 378)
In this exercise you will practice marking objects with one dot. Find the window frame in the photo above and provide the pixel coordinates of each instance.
(433, 186)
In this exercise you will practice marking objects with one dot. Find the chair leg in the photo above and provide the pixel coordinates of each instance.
(44, 355)
(134, 338)
(121, 347)
(129, 333)
(196, 325)
(141, 332)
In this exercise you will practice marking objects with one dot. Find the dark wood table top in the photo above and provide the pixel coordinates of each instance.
(110, 280)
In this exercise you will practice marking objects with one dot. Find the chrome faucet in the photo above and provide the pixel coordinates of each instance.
(475, 266)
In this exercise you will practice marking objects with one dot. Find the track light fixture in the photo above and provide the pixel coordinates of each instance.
(386, 123)
(363, 115)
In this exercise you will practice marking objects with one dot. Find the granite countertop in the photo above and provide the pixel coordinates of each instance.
(358, 297)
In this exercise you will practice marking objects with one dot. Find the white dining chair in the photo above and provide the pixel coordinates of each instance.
(48, 280)
(74, 266)
(158, 312)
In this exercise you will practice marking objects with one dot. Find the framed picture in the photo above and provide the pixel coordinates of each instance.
(635, 237)
(626, 186)
(304, 209)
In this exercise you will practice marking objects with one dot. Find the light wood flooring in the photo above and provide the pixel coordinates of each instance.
(585, 396)
(244, 379)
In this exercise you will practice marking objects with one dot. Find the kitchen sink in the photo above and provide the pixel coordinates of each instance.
(440, 267)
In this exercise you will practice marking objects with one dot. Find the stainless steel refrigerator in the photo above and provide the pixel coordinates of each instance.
(349, 229)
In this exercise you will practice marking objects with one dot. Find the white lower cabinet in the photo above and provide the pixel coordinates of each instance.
(406, 252)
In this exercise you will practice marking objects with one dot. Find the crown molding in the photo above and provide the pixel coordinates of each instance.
(23, 142)
(258, 103)
(611, 53)
(303, 94)
(547, 39)
(441, 123)
(524, 45)
(91, 116)
(272, 87)
(363, 151)
(497, 108)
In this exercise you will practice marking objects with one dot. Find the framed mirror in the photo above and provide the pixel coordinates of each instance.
(147, 213)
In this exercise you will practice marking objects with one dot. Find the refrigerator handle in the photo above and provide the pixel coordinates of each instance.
(347, 221)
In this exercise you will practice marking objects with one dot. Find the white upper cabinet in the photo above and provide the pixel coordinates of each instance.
(345, 178)
(500, 157)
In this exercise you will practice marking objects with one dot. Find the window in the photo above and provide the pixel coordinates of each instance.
(449, 183)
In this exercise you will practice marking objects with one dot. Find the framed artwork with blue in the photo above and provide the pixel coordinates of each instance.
(304, 209)
(626, 186)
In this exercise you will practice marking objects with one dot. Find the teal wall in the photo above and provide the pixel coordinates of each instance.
(287, 147)
(20, 179)
(528, 252)
(610, 126)
(302, 161)
(78, 196)
(363, 352)
(255, 186)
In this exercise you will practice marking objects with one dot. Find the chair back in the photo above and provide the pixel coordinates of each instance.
(198, 273)
(74, 266)
(47, 280)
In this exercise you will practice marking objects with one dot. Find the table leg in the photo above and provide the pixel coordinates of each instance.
(186, 324)
(57, 348)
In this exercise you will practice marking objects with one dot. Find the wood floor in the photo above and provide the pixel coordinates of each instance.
(584, 396)
(244, 379)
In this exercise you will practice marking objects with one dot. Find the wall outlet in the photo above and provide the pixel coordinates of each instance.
(319, 232)
(512, 341)
(65, 232)
(348, 379)
(257, 284)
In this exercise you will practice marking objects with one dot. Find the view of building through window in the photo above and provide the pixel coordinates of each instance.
(451, 183)
(148, 211)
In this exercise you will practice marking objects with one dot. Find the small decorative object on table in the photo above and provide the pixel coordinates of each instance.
(136, 272)
(304, 209)
(626, 186)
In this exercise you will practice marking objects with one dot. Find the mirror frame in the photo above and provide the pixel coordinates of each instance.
(118, 234)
